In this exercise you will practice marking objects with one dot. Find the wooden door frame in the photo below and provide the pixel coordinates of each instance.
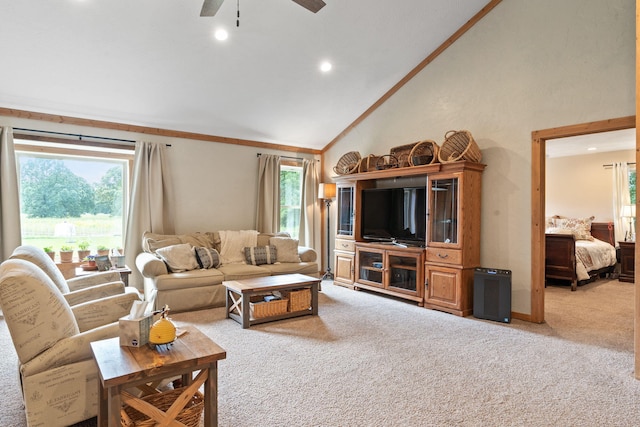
(538, 171)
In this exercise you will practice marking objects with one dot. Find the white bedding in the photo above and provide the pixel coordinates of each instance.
(593, 255)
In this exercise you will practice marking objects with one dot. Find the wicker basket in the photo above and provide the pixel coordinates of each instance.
(348, 163)
(189, 416)
(299, 300)
(424, 153)
(368, 163)
(258, 308)
(459, 145)
(401, 153)
(387, 161)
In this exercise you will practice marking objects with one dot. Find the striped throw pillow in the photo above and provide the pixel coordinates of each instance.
(259, 255)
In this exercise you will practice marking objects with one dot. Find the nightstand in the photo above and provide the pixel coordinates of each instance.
(627, 261)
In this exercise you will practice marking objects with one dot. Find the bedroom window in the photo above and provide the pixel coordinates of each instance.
(72, 195)
(290, 198)
(632, 184)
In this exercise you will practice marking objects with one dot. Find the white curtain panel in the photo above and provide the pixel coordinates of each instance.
(620, 199)
(151, 204)
(268, 204)
(10, 237)
(309, 234)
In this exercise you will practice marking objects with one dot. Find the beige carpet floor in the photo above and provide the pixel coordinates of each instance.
(370, 360)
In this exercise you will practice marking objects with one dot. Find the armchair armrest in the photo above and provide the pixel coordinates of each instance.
(150, 266)
(100, 312)
(69, 350)
(81, 282)
(94, 292)
(307, 254)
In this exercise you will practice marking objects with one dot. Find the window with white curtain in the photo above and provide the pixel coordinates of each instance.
(290, 198)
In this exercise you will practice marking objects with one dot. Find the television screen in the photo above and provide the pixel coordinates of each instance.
(394, 213)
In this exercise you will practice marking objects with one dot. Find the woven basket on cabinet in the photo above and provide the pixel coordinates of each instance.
(424, 153)
(459, 145)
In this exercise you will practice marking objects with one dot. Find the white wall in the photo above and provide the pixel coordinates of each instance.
(579, 186)
(528, 65)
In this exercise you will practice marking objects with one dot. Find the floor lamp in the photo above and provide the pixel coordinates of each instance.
(327, 192)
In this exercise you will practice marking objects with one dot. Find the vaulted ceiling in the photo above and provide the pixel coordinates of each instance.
(156, 63)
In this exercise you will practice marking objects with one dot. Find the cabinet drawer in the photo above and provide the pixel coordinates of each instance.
(345, 245)
(447, 256)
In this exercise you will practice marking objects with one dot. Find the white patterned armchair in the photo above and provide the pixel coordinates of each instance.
(58, 374)
(78, 289)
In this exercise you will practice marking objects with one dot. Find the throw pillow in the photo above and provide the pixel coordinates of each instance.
(178, 257)
(207, 257)
(287, 249)
(259, 255)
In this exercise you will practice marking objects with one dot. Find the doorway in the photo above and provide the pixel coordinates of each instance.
(538, 172)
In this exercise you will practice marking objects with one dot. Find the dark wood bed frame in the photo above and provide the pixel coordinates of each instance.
(560, 254)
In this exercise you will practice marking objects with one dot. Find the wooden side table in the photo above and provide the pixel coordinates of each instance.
(125, 272)
(121, 368)
(627, 261)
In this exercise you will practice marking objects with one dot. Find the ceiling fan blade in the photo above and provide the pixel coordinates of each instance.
(312, 5)
(210, 7)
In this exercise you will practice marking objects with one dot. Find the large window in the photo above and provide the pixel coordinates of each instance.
(72, 197)
(290, 199)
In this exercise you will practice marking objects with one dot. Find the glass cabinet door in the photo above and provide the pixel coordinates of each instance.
(402, 272)
(370, 266)
(443, 212)
(345, 198)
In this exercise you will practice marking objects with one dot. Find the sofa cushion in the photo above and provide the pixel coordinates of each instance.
(242, 271)
(287, 249)
(189, 279)
(308, 268)
(179, 257)
(259, 255)
(207, 257)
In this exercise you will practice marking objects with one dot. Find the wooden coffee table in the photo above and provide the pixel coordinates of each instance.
(239, 293)
(121, 368)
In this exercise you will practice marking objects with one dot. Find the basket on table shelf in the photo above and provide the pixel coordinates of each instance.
(299, 299)
(388, 161)
(402, 154)
(459, 145)
(259, 308)
(189, 415)
(368, 163)
(348, 163)
(424, 153)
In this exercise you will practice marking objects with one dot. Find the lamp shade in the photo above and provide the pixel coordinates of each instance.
(326, 191)
(629, 211)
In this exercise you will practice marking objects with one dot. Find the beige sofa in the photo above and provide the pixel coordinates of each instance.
(201, 288)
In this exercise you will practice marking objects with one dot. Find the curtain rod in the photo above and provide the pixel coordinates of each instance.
(288, 157)
(611, 165)
(80, 136)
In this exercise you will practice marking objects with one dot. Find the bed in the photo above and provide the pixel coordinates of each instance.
(579, 256)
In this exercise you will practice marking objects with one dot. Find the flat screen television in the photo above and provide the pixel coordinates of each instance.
(399, 214)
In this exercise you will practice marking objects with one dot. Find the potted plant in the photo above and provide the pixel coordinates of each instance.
(90, 260)
(66, 253)
(49, 251)
(103, 250)
(83, 250)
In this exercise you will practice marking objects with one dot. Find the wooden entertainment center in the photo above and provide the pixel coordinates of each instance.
(435, 271)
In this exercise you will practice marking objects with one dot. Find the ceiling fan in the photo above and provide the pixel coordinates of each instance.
(210, 7)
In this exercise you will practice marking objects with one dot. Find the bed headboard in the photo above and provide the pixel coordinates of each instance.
(604, 231)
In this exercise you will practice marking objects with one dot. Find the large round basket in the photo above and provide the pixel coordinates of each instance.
(189, 416)
(368, 163)
(424, 153)
(459, 145)
(348, 163)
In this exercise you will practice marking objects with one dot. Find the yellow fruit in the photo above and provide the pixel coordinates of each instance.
(163, 331)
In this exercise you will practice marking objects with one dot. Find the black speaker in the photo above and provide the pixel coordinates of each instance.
(492, 294)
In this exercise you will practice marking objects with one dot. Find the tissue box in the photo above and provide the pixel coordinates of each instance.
(134, 332)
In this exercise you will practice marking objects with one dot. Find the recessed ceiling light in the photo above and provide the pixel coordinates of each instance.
(221, 34)
(325, 66)
(592, 148)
